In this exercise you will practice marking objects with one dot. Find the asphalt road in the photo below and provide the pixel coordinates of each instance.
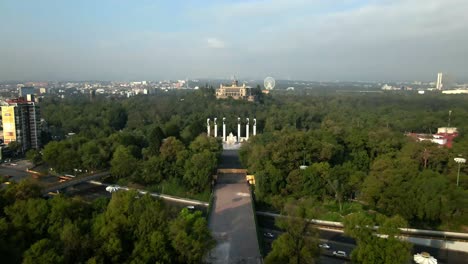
(90, 192)
(338, 241)
(15, 169)
(326, 254)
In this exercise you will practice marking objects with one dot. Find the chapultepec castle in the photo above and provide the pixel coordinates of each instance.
(235, 91)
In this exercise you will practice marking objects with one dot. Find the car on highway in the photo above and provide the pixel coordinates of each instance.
(339, 253)
(268, 235)
(324, 245)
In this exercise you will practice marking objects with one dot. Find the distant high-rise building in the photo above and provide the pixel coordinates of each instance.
(23, 91)
(439, 84)
(445, 81)
(21, 123)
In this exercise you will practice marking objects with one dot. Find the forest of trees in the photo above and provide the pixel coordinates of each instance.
(353, 144)
(359, 158)
(110, 134)
(128, 228)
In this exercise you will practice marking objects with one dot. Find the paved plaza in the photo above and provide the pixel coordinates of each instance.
(232, 221)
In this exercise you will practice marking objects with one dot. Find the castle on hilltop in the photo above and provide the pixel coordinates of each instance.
(235, 91)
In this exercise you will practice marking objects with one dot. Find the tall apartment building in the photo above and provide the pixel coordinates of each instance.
(21, 123)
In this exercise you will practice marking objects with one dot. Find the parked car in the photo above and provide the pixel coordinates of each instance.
(339, 253)
(269, 235)
(324, 245)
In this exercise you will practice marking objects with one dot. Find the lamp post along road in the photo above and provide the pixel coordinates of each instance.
(460, 161)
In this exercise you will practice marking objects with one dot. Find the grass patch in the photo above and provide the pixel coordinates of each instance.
(327, 210)
(175, 188)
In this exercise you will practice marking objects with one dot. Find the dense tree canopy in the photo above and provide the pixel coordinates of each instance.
(377, 246)
(353, 144)
(127, 229)
(353, 147)
(298, 244)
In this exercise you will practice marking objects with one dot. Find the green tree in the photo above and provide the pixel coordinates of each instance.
(371, 247)
(15, 147)
(199, 169)
(298, 243)
(174, 155)
(23, 190)
(92, 155)
(155, 140)
(116, 117)
(123, 163)
(61, 156)
(203, 142)
(43, 252)
(152, 171)
(190, 237)
(34, 156)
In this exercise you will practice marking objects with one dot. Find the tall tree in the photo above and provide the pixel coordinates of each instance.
(199, 169)
(190, 237)
(371, 247)
(298, 243)
(123, 163)
(42, 252)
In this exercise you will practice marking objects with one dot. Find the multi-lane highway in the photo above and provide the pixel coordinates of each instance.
(326, 254)
(338, 241)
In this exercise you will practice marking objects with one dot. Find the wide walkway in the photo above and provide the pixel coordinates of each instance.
(232, 221)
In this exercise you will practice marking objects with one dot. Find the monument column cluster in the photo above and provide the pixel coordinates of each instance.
(247, 128)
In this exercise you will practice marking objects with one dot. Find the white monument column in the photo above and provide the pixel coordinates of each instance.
(247, 129)
(238, 130)
(224, 129)
(216, 128)
(208, 126)
(255, 127)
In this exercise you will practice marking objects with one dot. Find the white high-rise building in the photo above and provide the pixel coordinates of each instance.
(439, 84)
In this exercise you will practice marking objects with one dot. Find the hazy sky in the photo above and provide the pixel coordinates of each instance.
(297, 39)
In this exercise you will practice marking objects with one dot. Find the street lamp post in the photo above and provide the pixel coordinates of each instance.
(460, 161)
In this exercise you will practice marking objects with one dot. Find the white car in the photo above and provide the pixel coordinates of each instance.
(339, 253)
(324, 245)
(112, 188)
(269, 235)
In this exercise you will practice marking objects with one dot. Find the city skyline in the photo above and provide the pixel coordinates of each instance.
(353, 40)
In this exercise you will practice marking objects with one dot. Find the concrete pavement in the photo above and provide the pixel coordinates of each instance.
(232, 219)
(232, 223)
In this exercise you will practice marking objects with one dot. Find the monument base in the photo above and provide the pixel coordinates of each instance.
(231, 146)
